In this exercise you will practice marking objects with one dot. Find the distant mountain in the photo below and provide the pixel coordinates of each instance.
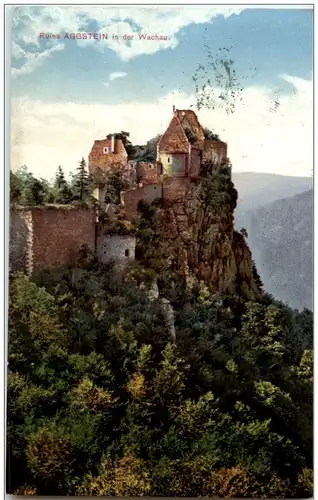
(257, 189)
(280, 235)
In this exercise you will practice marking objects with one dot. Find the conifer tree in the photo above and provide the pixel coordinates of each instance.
(81, 182)
(59, 177)
(63, 192)
(15, 188)
(256, 276)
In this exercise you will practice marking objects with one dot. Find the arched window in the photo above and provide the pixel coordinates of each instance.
(106, 150)
(127, 252)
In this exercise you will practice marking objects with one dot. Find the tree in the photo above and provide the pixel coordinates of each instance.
(27, 189)
(148, 152)
(81, 183)
(35, 193)
(63, 192)
(256, 276)
(99, 401)
(208, 134)
(244, 232)
(15, 188)
(59, 178)
(116, 182)
(124, 136)
(190, 135)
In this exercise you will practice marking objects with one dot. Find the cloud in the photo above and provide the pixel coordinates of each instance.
(28, 22)
(32, 60)
(45, 135)
(167, 21)
(115, 75)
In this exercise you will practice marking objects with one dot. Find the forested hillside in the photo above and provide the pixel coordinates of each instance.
(103, 402)
(105, 398)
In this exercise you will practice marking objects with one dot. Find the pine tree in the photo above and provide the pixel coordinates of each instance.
(59, 178)
(81, 182)
(256, 276)
(35, 192)
(63, 192)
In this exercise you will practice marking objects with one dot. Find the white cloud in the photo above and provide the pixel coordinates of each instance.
(32, 60)
(29, 22)
(16, 51)
(45, 135)
(115, 75)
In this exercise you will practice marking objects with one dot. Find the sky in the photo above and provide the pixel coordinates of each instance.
(67, 92)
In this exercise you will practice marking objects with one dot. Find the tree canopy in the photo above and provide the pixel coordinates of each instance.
(101, 402)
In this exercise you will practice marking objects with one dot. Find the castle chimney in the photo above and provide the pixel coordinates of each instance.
(112, 148)
(173, 109)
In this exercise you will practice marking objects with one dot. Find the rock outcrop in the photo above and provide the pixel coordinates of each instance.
(196, 234)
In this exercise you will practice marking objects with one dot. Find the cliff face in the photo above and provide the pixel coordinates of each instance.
(196, 235)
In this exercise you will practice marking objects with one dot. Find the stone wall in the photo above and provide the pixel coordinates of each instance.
(175, 188)
(20, 240)
(41, 237)
(172, 189)
(116, 248)
(59, 232)
(214, 151)
(131, 198)
(195, 163)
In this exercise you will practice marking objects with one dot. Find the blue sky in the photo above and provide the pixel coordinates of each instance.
(67, 93)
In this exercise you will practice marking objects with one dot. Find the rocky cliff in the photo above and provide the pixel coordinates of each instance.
(195, 236)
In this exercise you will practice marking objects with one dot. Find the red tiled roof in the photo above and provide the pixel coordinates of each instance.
(174, 140)
(100, 161)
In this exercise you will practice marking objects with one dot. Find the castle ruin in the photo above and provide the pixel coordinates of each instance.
(52, 235)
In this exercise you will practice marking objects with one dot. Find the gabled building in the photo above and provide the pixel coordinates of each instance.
(106, 155)
(183, 148)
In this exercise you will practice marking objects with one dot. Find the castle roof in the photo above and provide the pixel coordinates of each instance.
(174, 140)
(101, 159)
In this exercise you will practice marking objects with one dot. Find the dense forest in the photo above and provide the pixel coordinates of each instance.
(102, 400)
